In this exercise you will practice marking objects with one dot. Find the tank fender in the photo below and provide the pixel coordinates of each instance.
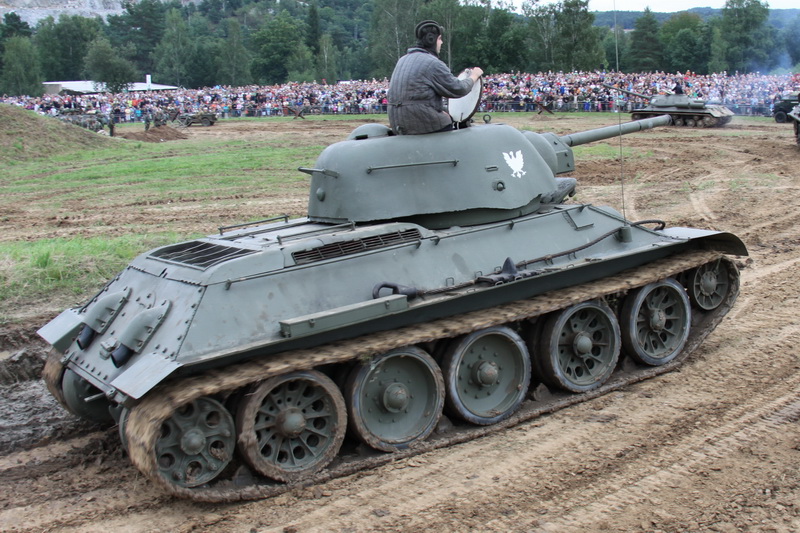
(141, 376)
(61, 331)
(712, 240)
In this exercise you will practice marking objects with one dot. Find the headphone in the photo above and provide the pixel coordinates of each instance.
(428, 32)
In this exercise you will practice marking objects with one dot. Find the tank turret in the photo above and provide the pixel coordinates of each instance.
(436, 277)
(684, 110)
(498, 171)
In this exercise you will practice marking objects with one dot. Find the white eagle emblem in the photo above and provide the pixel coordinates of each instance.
(515, 161)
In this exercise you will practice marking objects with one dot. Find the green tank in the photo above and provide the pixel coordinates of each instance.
(438, 281)
(684, 110)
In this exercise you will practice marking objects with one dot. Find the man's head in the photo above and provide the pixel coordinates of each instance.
(429, 35)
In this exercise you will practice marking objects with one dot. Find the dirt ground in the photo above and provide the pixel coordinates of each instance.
(714, 446)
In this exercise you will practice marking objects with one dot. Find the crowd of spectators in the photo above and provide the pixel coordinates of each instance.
(555, 91)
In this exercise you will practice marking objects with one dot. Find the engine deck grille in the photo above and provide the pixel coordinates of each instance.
(200, 254)
(340, 249)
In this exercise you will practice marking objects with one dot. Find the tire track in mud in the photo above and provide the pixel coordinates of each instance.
(753, 422)
(701, 207)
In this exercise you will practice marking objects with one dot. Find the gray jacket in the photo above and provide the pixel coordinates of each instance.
(418, 83)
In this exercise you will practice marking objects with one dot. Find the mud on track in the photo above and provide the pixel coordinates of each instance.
(714, 446)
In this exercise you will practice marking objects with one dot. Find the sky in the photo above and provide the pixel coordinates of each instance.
(667, 6)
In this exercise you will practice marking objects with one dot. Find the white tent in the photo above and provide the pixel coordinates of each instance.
(91, 87)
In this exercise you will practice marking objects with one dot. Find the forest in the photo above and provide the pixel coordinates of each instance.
(266, 42)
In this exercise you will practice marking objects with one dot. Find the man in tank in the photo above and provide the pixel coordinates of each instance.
(419, 82)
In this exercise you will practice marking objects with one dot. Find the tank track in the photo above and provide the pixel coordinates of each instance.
(679, 119)
(144, 422)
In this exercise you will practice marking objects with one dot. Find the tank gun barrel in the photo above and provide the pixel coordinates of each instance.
(608, 132)
(626, 91)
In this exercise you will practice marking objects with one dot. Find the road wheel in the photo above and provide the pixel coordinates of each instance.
(655, 322)
(486, 375)
(579, 346)
(396, 400)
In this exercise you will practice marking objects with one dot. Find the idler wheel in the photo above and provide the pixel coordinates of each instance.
(76, 391)
(291, 426)
(708, 285)
(579, 346)
(196, 443)
(655, 322)
(396, 400)
(486, 374)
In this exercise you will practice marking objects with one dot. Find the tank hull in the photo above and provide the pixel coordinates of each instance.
(708, 116)
(213, 319)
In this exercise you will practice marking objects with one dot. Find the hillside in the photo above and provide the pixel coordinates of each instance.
(32, 11)
(25, 135)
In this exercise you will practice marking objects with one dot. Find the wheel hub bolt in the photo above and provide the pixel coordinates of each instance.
(583, 343)
(396, 397)
(708, 283)
(487, 373)
(193, 441)
(291, 422)
(658, 320)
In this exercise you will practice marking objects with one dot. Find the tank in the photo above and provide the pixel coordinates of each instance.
(794, 117)
(685, 111)
(438, 282)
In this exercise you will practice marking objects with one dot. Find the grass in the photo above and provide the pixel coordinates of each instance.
(65, 269)
(83, 171)
(602, 150)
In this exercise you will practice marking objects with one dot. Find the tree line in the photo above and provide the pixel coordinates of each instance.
(266, 42)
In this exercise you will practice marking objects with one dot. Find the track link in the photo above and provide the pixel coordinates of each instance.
(145, 419)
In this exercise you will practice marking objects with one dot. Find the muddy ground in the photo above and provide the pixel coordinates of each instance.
(714, 446)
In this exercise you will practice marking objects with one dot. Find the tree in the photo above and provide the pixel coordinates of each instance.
(448, 13)
(505, 49)
(300, 66)
(683, 53)
(326, 59)
(273, 47)
(21, 76)
(543, 34)
(62, 45)
(140, 26)
(12, 26)
(391, 33)
(313, 35)
(646, 50)
(747, 37)
(104, 64)
(716, 55)
(616, 46)
(578, 44)
(233, 59)
(173, 53)
(792, 40)
(681, 37)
